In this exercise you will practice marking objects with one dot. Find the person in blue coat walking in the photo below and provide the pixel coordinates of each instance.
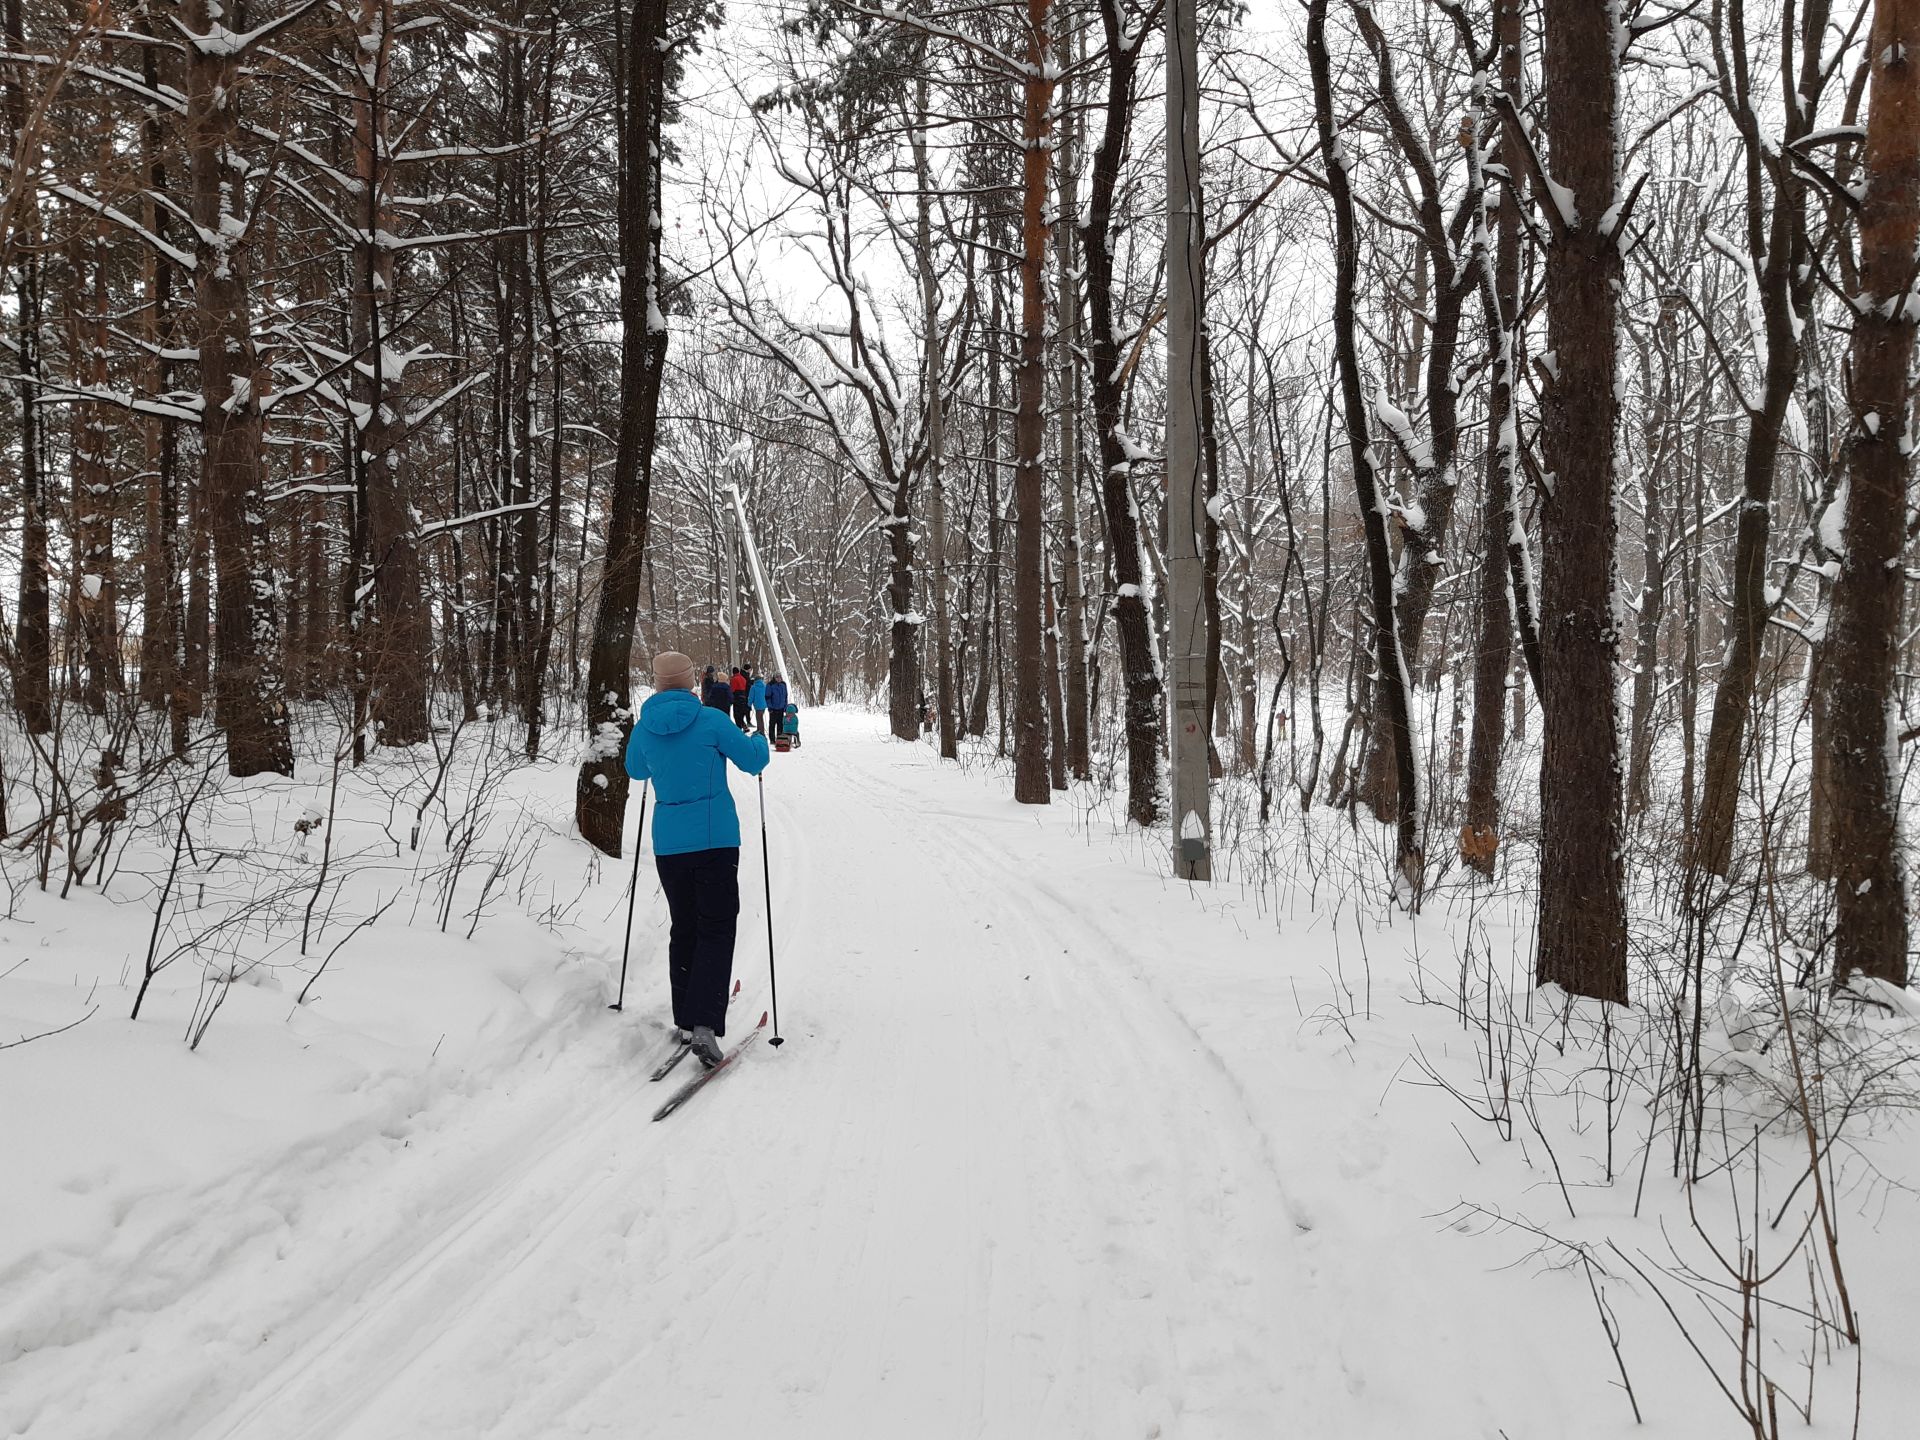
(777, 696)
(757, 698)
(684, 747)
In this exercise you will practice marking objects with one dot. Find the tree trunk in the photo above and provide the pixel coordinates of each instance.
(400, 636)
(600, 795)
(1030, 785)
(1073, 608)
(249, 693)
(1777, 249)
(1390, 674)
(160, 560)
(1582, 926)
(1139, 665)
(936, 402)
(95, 596)
(1500, 297)
(1870, 594)
(903, 631)
(33, 629)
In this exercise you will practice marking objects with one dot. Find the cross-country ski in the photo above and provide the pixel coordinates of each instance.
(687, 1091)
(682, 1045)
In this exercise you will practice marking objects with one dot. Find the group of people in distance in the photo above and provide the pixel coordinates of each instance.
(748, 698)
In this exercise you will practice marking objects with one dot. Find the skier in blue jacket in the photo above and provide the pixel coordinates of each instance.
(777, 696)
(683, 747)
(757, 698)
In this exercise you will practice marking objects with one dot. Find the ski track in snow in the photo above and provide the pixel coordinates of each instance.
(994, 1186)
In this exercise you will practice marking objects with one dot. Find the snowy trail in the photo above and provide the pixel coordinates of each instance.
(992, 1187)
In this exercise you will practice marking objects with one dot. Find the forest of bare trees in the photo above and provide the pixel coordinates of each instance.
(400, 358)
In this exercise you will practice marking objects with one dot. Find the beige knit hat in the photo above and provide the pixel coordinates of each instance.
(672, 671)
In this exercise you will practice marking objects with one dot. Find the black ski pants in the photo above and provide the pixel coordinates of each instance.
(703, 897)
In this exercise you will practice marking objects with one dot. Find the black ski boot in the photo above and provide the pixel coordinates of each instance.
(706, 1049)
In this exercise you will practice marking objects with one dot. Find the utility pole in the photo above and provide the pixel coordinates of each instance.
(1186, 519)
(786, 654)
(731, 548)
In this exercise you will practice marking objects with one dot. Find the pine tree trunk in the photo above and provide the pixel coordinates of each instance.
(1869, 596)
(1073, 609)
(250, 695)
(600, 795)
(1582, 924)
(160, 558)
(94, 601)
(33, 629)
(400, 637)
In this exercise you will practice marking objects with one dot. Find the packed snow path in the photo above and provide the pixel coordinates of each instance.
(991, 1186)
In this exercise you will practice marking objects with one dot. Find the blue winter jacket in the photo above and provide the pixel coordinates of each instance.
(777, 697)
(757, 694)
(683, 747)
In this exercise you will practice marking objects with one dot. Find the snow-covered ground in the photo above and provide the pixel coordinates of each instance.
(1057, 1147)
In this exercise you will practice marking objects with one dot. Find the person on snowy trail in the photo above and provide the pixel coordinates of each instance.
(757, 698)
(739, 683)
(716, 692)
(777, 698)
(683, 748)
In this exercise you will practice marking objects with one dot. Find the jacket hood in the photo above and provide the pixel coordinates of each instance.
(669, 712)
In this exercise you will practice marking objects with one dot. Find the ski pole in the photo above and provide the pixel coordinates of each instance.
(773, 978)
(633, 893)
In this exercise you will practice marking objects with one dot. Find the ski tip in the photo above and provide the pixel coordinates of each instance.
(736, 987)
(763, 1021)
